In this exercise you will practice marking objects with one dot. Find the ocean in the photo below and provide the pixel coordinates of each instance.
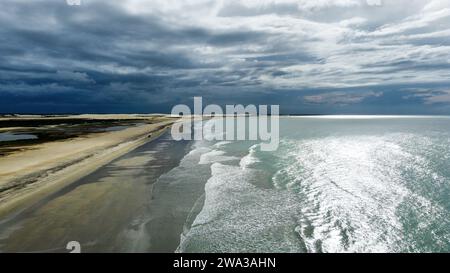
(335, 184)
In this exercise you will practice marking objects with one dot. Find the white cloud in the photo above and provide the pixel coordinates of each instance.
(374, 2)
(436, 5)
(415, 22)
(74, 76)
(354, 21)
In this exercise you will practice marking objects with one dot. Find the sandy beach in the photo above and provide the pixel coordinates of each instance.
(122, 206)
(35, 171)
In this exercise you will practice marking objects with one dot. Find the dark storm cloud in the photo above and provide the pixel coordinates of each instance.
(145, 56)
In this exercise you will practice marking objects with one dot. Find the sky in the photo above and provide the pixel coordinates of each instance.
(145, 56)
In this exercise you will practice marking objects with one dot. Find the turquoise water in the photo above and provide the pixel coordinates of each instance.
(335, 184)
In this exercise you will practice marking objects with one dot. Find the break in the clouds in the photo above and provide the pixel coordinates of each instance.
(309, 56)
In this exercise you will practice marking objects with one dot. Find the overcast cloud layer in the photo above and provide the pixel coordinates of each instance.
(317, 56)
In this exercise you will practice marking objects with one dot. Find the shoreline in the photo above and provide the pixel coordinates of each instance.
(31, 175)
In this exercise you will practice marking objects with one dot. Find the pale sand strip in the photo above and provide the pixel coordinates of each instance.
(28, 176)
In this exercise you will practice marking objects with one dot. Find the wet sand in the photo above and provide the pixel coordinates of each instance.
(114, 209)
